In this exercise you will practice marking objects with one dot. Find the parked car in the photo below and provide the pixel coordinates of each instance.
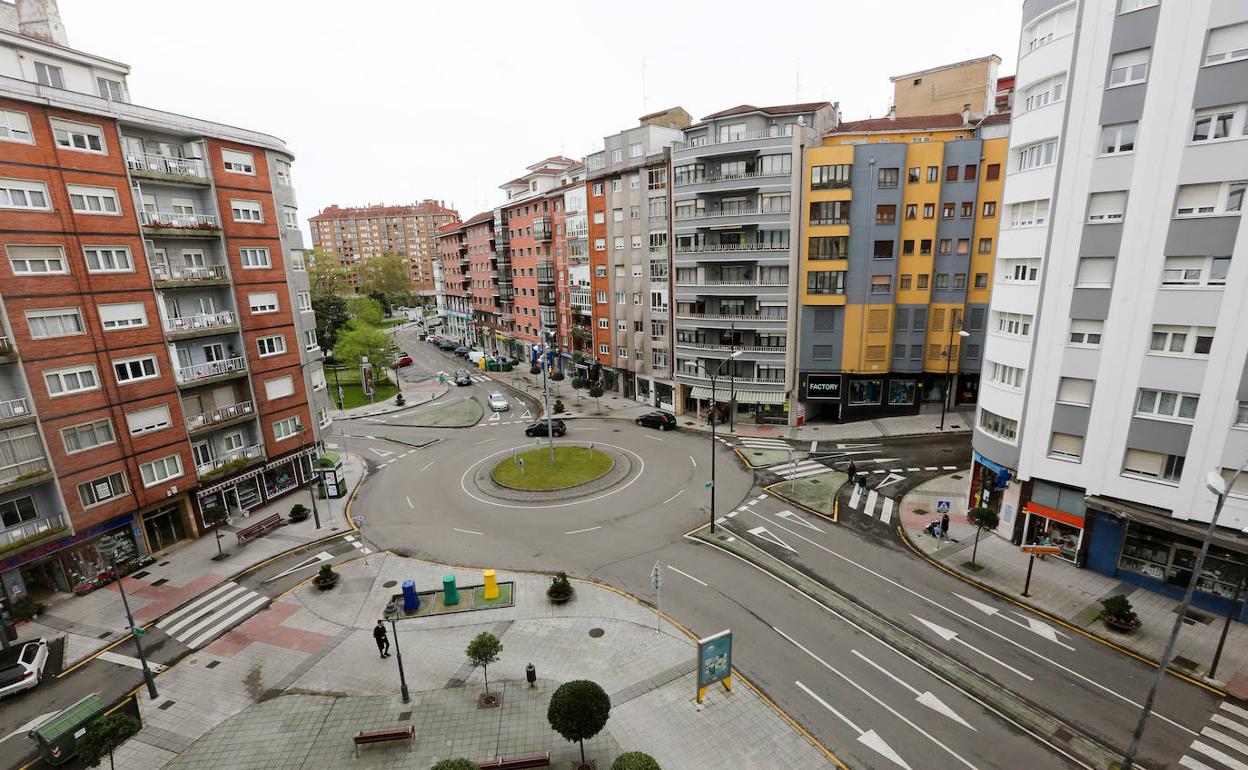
(21, 666)
(539, 428)
(498, 402)
(402, 359)
(433, 339)
(462, 351)
(660, 420)
(462, 377)
(447, 344)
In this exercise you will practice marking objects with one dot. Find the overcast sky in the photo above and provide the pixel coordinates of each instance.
(384, 101)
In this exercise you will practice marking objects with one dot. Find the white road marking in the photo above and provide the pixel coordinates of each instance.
(853, 497)
(791, 516)
(695, 462)
(869, 509)
(320, 557)
(1239, 746)
(949, 467)
(208, 601)
(1236, 710)
(1221, 720)
(912, 470)
(486, 441)
(467, 531)
(814, 446)
(673, 497)
(868, 738)
(931, 468)
(1221, 756)
(431, 462)
(126, 660)
(886, 510)
(686, 574)
(228, 621)
(927, 698)
(952, 636)
(1192, 764)
(31, 725)
(582, 531)
(370, 438)
(762, 533)
(895, 470)
(654, 438)
(759, 499)
(891, 478)
(883, 460)
(380, 452)
(409, 503)
(1038, 628)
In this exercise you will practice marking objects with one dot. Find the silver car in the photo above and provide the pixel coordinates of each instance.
(498, 402)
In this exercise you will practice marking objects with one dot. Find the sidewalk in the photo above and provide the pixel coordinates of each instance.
(1064, 591)
(96, 620)
(414, 393)
(292, 685)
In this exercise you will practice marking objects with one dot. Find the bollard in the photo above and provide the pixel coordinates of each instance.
(411, 600)
(491, 585)
(450, 594)
(530, 673)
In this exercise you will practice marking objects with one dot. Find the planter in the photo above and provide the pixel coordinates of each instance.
(325, 583)
(559, 598)
(1121, 626)
(297, 517)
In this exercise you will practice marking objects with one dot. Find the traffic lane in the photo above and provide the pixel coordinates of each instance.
(806, 658)
(1104, 687)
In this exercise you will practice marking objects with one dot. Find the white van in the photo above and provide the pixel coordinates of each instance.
(475, 356)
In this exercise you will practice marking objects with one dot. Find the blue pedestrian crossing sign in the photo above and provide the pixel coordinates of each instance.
(942, 506)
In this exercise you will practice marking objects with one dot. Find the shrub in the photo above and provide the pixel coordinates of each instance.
(458, 763)
(578, 710)
(1119, 608)
(578, 383)
(557, 376)
(559, 407)
(635, 760)
(560, 586)
(535, 370)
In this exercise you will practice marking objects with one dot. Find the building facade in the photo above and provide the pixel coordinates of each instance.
(158, 355)
(949, 88)
(483, 279)
(1118, 338)
(456, 279)
(355, 234)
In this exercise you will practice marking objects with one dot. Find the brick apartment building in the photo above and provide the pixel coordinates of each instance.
(355, 234)
(157, 350)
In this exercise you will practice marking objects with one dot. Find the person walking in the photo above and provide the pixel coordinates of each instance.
(944, 526)
(852, 471)
(383, 641)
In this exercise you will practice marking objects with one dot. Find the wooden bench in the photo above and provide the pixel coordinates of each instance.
(259, 528)
(516, 763)
(364, 737)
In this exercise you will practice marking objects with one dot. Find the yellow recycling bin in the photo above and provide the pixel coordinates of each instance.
(491, 585)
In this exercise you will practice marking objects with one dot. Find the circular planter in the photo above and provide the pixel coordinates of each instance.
(559, 598)
(1122, 627)
(298, 517)
(325, 585)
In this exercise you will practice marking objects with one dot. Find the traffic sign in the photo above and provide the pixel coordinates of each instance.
(943, 506)
(139, 631)
(656, 577)
(709, 484)
(1041, 550)
(359, 520)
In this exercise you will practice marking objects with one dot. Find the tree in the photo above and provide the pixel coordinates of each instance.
(326, 275)
(331, 315)
(104, 736)
(457, 764)
(215, 517)
(578, 384)
(482, 651)
(384, 274)
(982, 518)
(360, 340)
(595, 393)
(579, 710)
(365, 310)
(635, 760)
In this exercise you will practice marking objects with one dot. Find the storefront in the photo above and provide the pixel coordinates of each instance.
(848, 398)
(1050, 526)
(247, 491)
(760, 407)
(166, 526)
(69, 564)
(994, 486)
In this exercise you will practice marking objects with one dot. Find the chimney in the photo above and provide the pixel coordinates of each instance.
(41, 19)
(966, 114)
(892, 112)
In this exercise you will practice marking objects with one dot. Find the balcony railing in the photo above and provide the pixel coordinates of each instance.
(167, 220)
(777, 284)
(220, 414)
(216, 463)
(10, 473)
(712, 248)
(14, 407)
(744, 136)
(541, 229)
(210, 369)
(730, 211)
(738, 317)
(161, 164)
(682, 181)
(545, 274)
(729, 348)
(201, 321)
(723, 379)
(31, 529)
(189, 272)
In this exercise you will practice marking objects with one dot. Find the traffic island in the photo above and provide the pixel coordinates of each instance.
(471, 598)
(534, 472)
(814, 493)
(463, 413)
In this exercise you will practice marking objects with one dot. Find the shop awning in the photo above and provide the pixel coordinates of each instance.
(1229, 539)
(742, 396)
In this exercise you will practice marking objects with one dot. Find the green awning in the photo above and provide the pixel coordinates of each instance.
(743, 396)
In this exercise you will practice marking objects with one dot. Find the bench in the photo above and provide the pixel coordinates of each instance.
(364, 737)
(259, 528)
(515, 763)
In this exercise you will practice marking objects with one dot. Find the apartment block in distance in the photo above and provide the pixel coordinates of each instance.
(1119, 399)
(157, 351)
(456, 279)
(353, 235)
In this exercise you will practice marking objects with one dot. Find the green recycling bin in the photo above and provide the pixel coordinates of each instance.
(57, 739)
(450, 594)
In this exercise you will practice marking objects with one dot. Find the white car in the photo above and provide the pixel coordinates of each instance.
(498, 402)
(21, 666)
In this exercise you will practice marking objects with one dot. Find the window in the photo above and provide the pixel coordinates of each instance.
(959, 280)
(992, 172)
(597, 191)
(1029, 213)
(264, 302)
(913, 175)
(36, 260)
(1037, 155)
(824, 282)
(947, 210)
(1107, 206)
(1024, 270)
(904, 282)
(887, 177)
(284, 429)
(1085, 333)
(964, 246)
(933, 173)
(885, 215)
(310, 343)
(622, 352)
(271, 346)
(1095, 272)
(304, 299)
(600, 244)
(135, 369)
(1211, 199)
(74, 379)
(951, 173)
(238, 162)
(280, 387)
(985, 245)
(108, 259)
(617, 215)
(912, 211)
(1241, 413)
(828, 247)
(15, 127)
(1074, 390)
(290, 217)
(1126, 6)
(923, 280)
(1065, 446)
(123, 315)
(158, 471)
(1226, 44)
(88, 435)
(14, 512)
(635, 150)
(621, 298)
(929, 210)
(93, 200)
(1044, 93)
(254, 258)
(967, 209)
(996, 425)
(1014, 324)
(81, 137)
(246, 211)
(635, 242)
(601, 298)
(1217, 124)
(981, 280)
(881, 284)
(1128, 68)
(281, 170)
(656, 178)
(925, 246)
(1153, 465)
(942, 282)
(1181, 340)
(829, 213)
(1164, 403)
(1118, 138)
(944, 246)
(58, 322)
(148, 420)
(49, 75)
(1009, 376)
(1195, 271)
(883, 250)
(102, 489)
(775, 203)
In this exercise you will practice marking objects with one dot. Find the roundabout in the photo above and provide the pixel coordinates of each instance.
(533, 470)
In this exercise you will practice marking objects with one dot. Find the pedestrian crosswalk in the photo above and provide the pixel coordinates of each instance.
(798, 469)
(774, 444)
(1222, 743)
(212, 614)
(869, 503)
(480, 378)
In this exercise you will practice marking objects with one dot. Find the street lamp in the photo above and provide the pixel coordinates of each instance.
(731, 356)
(108, 547)
(316, 514)
(392, 614)
(1221, 488)
(944, 400)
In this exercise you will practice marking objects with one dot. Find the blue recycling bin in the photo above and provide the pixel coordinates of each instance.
(411, 600)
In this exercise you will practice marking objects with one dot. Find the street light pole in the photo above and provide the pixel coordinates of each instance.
(714, 374)
(316, 514)
(548, 338)
(108, 545)
(392, 612)
(944, 400)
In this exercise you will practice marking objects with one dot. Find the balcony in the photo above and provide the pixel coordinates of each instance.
(168, 169)
(14, 411)
(47, 526)
(545, 274)
(723, 379)
(8, 353)
(721, 321)
(542, 229)
(717, 348)
(239, 456)
(168, 223)
(24, 473)
(546, 297)
(219, 416)
(722, 212)
(203, 323)
(210, 370)
(750, 180)
(173, 276)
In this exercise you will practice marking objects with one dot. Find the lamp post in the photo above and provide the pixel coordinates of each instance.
(548, 340)
(316, 514)
(108, 546)
(392, 614)
(731, 356)
(1220, 487)
(944, 400)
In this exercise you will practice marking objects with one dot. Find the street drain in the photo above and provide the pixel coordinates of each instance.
(405, 716)
(164, 706)
(390, 584)
(1184, 663)
(957, 477)
(596, 633)
(213, 664)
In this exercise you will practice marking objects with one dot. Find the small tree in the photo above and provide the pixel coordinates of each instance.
(635, 760)
(104, 736)
(482, 651)
(579, 710)
(596, 393)
(982, 518)
(578, 384)
(457, 764)
(215, 517)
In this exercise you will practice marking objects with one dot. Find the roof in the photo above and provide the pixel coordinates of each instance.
(779, 109)
(915, 123)
(449, 229)
(990, 57)
(996, 118)
(658, 113)
(484, 216)
(424, 208)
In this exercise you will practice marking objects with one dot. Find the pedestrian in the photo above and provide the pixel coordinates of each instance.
(383, 641)
(862, 484)
(852, 470)
(944, 526)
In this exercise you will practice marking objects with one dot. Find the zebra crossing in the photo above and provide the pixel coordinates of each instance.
(479, 378)
(798, 469)
(212, 614)
(870, 502)
(772, 444)
(1222, 743)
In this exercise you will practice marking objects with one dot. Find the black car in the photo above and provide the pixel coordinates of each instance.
(660, 420)
(462, 378)
(462, 351)
(447, 344)
(539, 428)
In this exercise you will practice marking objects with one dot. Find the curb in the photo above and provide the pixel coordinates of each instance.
(445, 389)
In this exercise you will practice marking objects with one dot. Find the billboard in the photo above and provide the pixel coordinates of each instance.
(714, 662)
(366, 378)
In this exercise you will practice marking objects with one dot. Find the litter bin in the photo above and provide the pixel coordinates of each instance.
(57, 739)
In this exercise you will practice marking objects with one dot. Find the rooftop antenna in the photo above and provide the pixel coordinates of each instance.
(797, 80)
(645, 101)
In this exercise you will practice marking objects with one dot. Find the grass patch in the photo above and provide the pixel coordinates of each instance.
(352, 392)
(455, 414)
(504, 597)
(573, 465)
(814, 492)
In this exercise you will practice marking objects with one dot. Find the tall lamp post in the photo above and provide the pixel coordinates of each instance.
(731, 356)
(392, 614)
(1220, 487)
(108, 546)
(944, 400)
(316, 514)
(549, 341)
